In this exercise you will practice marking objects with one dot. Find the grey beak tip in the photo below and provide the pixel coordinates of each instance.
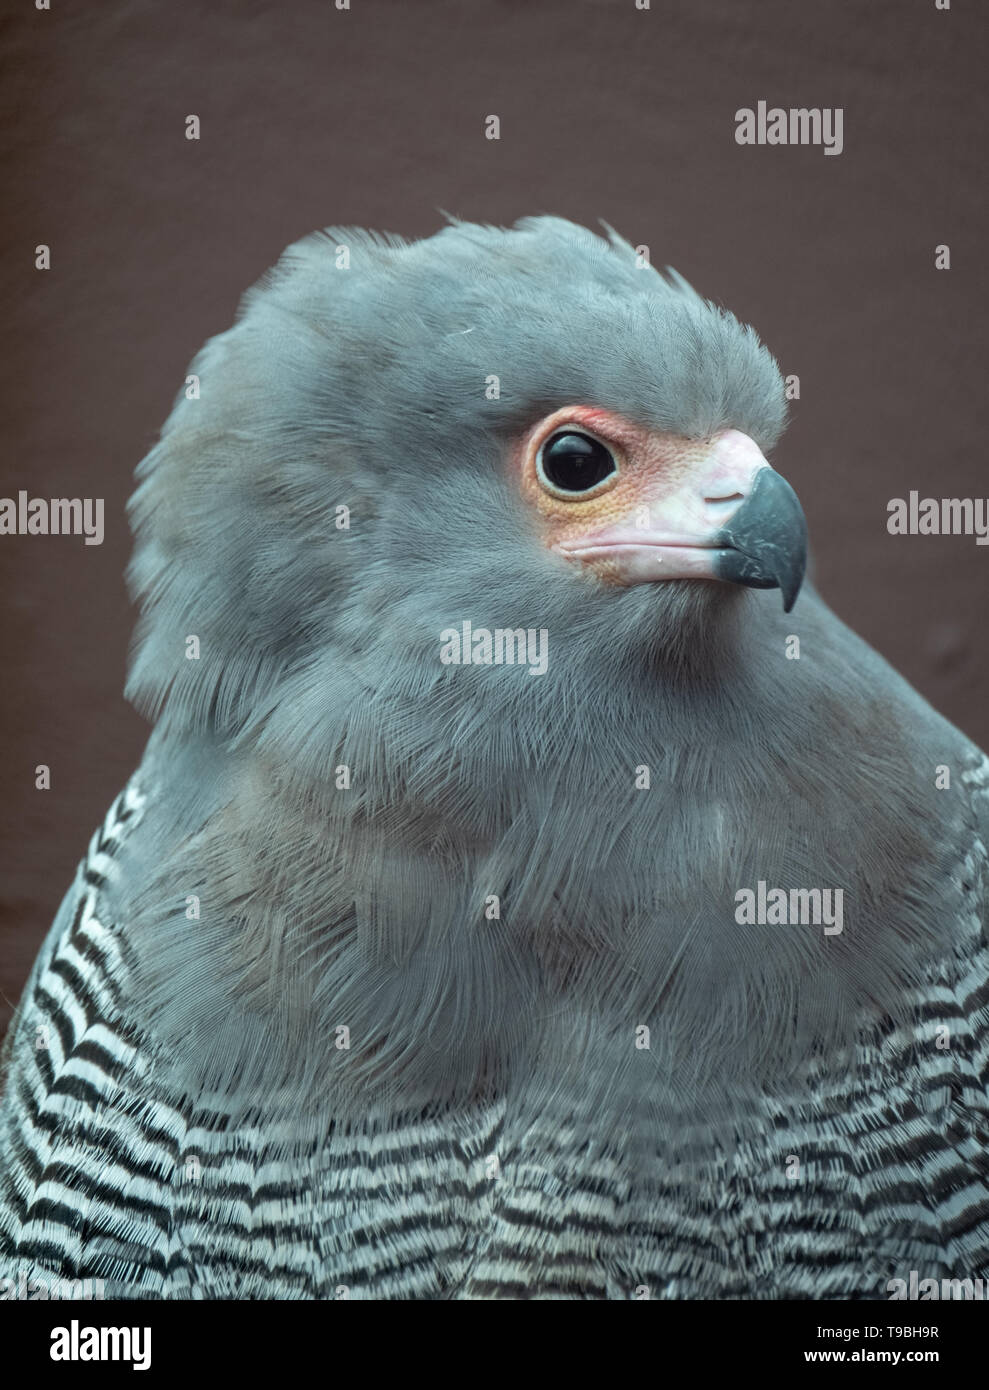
(765, 542)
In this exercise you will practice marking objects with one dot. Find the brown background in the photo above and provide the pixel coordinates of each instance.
(374, 116)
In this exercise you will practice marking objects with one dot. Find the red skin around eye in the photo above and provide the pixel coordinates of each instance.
(651, 466)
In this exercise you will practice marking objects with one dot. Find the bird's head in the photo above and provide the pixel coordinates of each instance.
(524, 428)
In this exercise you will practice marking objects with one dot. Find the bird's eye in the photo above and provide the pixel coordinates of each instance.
(572, 463)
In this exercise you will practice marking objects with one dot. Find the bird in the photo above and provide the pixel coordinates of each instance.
(530, 888)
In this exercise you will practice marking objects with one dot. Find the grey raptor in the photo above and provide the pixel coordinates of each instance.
(392, 975)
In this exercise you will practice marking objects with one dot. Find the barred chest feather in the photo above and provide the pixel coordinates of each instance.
(861, 1173)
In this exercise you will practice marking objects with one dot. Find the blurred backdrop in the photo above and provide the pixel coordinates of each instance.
(375, 115)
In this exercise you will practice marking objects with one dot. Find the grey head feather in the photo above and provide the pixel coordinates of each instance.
(363, 907)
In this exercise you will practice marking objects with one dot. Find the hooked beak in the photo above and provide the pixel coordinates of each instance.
(765, 542)
(733, 518)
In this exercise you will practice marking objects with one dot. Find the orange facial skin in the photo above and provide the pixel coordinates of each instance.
(653, 469)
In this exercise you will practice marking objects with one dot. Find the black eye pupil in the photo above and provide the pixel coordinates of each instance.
(576, 462)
